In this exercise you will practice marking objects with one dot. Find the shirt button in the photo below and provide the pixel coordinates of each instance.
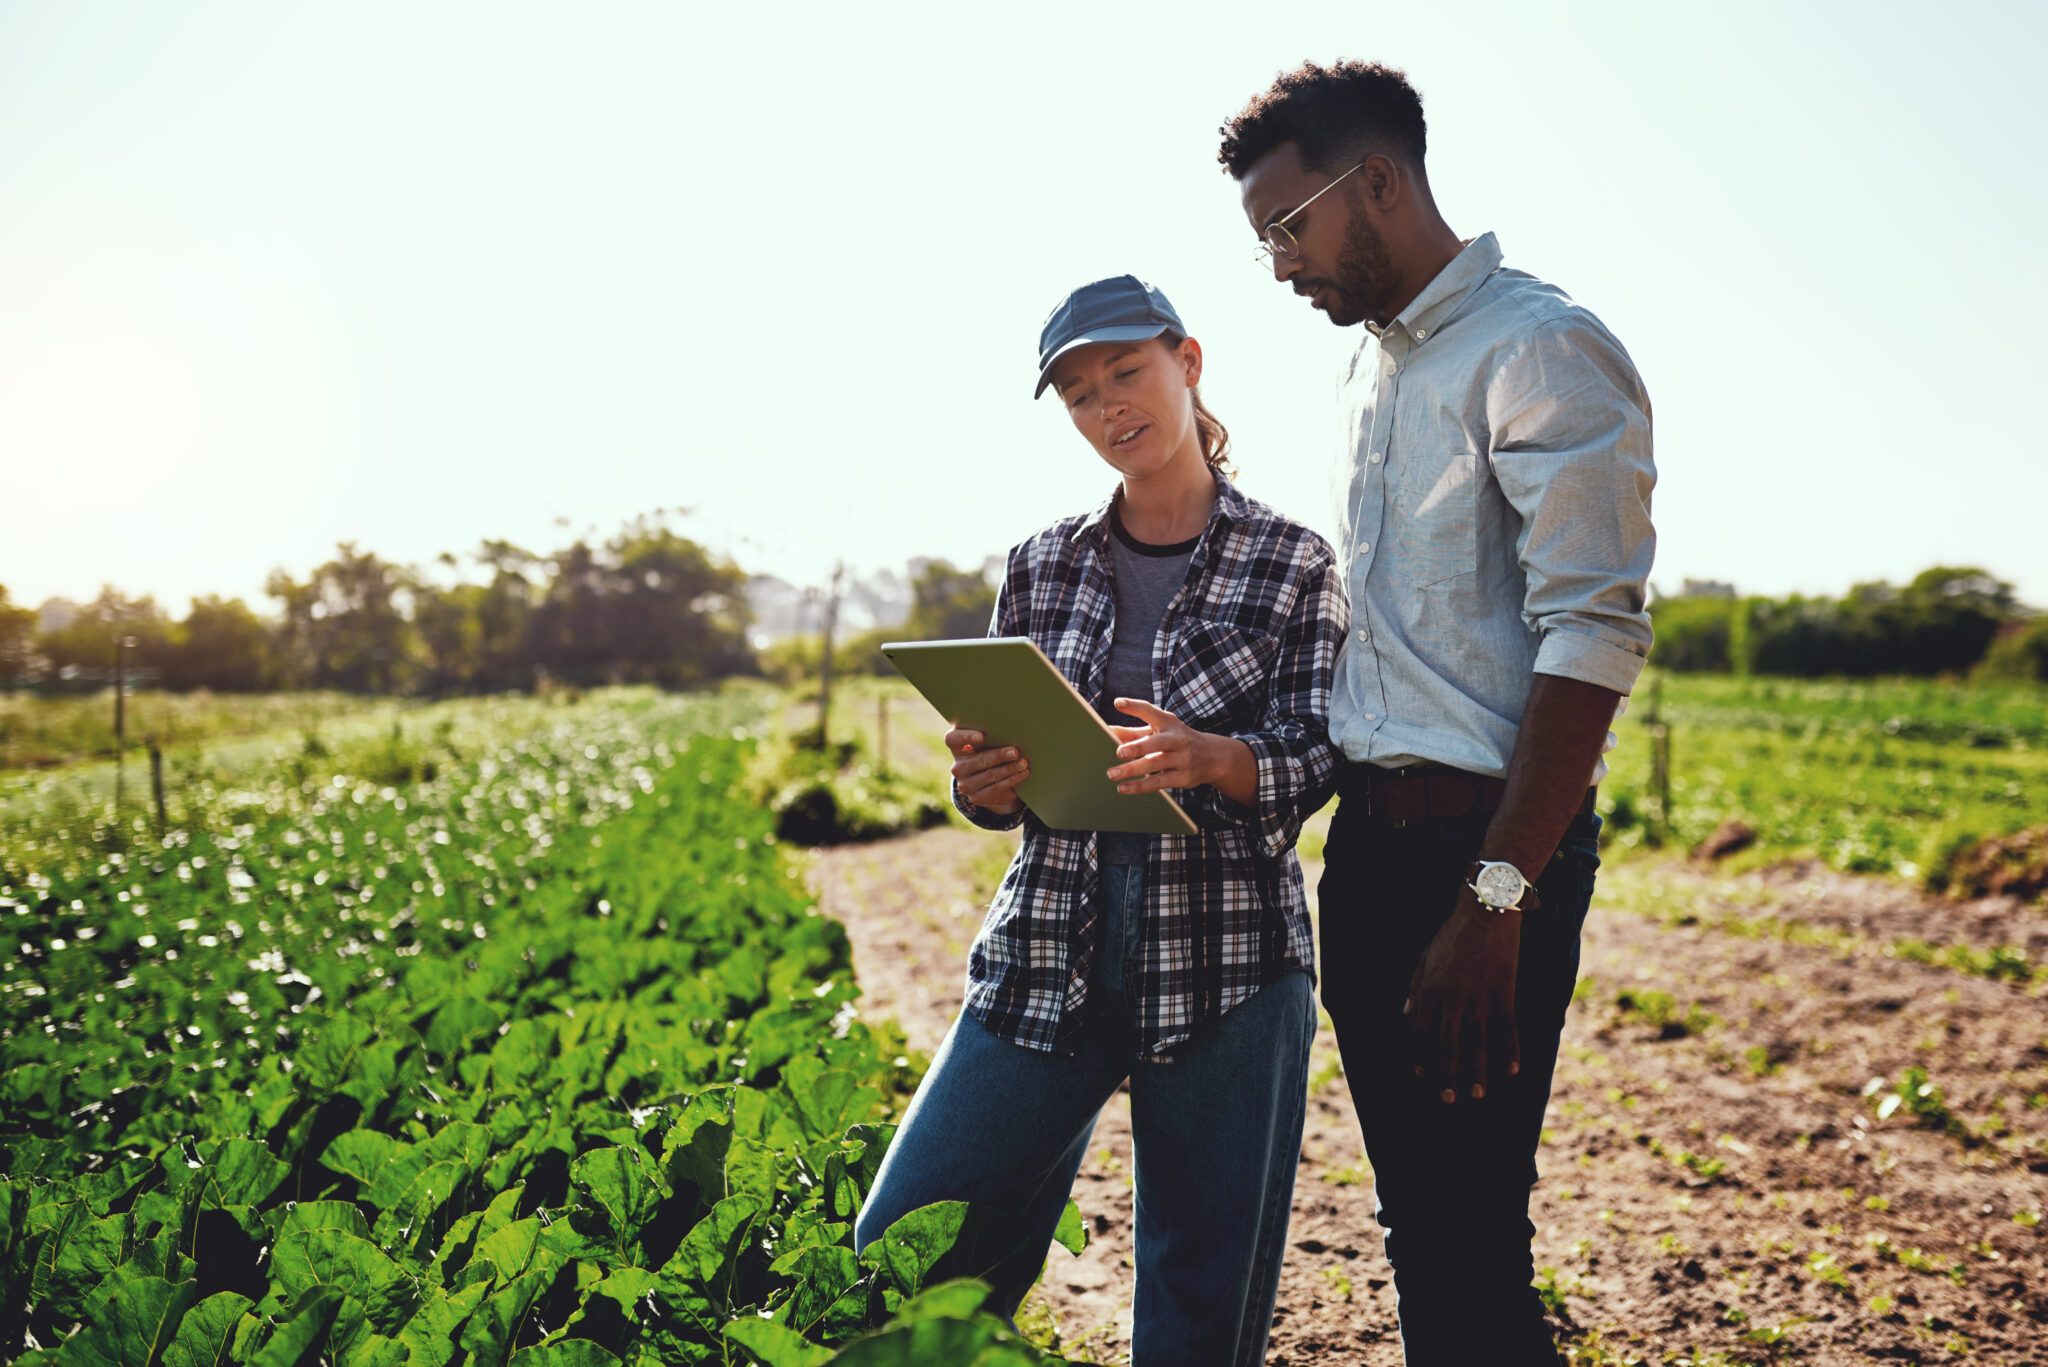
(1375, 458)
(1372, 716)
(1364, 636)
(1365, 548)
(1390, 367)
(1421, 333)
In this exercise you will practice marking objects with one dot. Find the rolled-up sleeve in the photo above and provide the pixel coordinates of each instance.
(1572, 453)
(1296, 760)
(1001, 622)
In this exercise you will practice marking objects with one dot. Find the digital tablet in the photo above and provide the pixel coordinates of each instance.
(1005, 688)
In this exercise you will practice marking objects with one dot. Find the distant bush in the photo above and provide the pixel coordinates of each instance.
(2019, 651)
(1693, 633)
(1944, 622)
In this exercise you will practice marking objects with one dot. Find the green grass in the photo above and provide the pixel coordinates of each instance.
(41, 733)
(1885, 777)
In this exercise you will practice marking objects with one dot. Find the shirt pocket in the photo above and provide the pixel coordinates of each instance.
(1221, 675)
(1433, 502)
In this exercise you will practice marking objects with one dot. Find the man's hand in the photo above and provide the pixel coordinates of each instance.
(988, 779)
(1461, 1001)
(1168, 753)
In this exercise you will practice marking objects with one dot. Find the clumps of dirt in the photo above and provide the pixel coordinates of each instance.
(2013, 865)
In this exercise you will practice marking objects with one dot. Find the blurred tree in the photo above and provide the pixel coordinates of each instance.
(223, 645)
(504, 615)
(2020, 651)
(84, 647)
(17, 638)
(345, 627)
(651, 606)
(949, 603)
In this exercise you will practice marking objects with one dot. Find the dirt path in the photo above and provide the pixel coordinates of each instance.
(1716, 1180)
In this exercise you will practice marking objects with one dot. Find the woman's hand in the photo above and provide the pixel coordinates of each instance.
(987, 778)
(1167, 753)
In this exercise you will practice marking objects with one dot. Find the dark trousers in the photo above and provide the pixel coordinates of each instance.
(1452, 1181)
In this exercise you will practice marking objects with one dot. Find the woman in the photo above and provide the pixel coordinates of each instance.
(1206, 627)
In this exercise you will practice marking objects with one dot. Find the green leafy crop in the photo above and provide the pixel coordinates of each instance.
(547, 1061)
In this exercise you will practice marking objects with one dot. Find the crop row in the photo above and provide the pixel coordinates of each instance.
(546, 1061)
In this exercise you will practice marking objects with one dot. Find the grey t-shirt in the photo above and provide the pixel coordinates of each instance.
(1147, 577)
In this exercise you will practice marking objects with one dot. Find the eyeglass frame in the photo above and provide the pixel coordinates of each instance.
(1270, 248)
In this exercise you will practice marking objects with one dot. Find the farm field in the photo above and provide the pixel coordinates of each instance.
(537, 1056)
(510, 1034)
(1881, 776)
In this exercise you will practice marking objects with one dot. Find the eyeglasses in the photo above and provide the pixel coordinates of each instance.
(1280, 242)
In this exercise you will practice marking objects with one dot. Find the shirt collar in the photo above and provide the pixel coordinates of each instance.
(1442, 297)
(1230, 505)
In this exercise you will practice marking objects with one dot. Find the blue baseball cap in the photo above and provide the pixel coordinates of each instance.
(1122, 308)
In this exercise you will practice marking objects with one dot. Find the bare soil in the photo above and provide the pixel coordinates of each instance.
(1718, 1185)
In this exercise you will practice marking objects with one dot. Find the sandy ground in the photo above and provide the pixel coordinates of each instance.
(1718, 1186)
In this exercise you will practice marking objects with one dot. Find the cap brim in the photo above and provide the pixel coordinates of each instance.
(1133, 332)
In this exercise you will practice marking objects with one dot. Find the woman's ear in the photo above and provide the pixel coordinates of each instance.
(1191, 360)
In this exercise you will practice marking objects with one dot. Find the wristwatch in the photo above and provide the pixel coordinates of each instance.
(1501, 886)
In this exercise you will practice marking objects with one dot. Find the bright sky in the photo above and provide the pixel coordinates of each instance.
(277, 276)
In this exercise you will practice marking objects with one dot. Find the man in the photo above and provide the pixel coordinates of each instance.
(1495, 524)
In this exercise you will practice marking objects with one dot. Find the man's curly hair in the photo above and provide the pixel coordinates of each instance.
(1327, 111)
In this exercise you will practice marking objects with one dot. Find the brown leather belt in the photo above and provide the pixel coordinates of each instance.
(1425, 792)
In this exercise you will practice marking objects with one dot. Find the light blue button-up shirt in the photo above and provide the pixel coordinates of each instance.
(1493, 514)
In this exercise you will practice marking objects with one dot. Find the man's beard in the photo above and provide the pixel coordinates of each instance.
(1363, 285)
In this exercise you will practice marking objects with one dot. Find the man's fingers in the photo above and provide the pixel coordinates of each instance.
(1473, 1059)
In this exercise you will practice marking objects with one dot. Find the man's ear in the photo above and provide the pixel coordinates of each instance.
(1380, 178)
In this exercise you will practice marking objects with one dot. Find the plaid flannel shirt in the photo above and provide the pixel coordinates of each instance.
(1247, 648)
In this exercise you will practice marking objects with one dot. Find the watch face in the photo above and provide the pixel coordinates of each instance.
(1500, 885)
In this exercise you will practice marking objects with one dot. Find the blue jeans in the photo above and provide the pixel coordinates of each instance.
(1452, 1182)
(1217, 1134)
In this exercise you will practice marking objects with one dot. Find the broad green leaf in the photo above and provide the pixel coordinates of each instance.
(833, 1101)
(206, 1336)
(1072, 1231)
(457, 1023)
(510, 1249)
(430, 1333)
(910, 1248)
(429, 1188)
(754, 1169)
(489, 1332)
(330, 1058)
(374, 1351)
(627, 1285)
(709, 1251)
(459, 1142)
(564, 1353)
(620, 1182)
(923, 1344)
(304, 1217)
(698, 1160)
(954, 1300)
(773, 1345)
(240, 1172)
(363, 1154)
(92, 1250)
(298, 1340)
(328, 1257)
(825, 1294)
(133, 1325)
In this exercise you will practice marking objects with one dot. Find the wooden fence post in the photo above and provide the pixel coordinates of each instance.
(882, 730)
(156, 784)
(1660, 764)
